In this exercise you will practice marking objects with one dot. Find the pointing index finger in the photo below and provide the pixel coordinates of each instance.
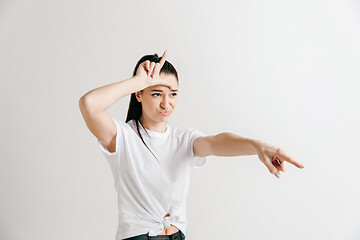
(284, 156)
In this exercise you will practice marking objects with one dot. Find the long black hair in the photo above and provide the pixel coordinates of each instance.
(135, 107)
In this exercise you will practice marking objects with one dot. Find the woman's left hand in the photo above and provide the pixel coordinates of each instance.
(274, 158)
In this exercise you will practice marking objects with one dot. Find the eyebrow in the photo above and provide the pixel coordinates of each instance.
(158, 90)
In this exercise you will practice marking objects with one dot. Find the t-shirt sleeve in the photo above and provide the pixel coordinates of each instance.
(195, 162)
(113, 156)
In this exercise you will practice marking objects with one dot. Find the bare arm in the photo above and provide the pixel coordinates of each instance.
(101, 98)
(228, 144)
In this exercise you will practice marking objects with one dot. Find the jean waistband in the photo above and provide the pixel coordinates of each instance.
(175, 236)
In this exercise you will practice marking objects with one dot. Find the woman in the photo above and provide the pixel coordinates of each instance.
(150, 160)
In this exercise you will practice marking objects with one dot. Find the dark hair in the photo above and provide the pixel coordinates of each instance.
(135, 107)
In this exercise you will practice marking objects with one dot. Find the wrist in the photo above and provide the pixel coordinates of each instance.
(256, 145)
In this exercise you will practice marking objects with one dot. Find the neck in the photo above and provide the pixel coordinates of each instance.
(152, 125)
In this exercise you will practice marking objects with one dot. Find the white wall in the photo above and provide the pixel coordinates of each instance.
(285, 72)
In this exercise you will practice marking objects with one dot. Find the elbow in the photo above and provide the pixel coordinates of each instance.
(85, 104)
(83, 101)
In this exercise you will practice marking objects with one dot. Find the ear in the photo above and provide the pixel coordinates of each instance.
(138, 96)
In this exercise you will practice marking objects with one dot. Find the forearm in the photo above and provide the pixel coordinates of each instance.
(228, 144)
(101, 98)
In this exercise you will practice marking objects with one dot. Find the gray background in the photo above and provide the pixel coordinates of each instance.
(285, 72)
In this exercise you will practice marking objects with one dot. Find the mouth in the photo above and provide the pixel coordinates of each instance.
(165, 113)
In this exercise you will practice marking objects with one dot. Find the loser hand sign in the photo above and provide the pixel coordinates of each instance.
(149, 71)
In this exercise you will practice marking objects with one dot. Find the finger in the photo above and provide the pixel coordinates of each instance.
(167, 84)
(147, 64)
(163, 58)
(276, 163)
(281, 154)
(268, 163)
(280, 165)
(152, 65)
(157, 69)
(160, 81)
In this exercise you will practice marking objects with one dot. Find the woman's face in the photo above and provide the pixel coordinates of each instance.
(159, 101)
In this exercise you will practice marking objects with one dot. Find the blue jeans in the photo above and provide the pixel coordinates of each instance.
(179, 235)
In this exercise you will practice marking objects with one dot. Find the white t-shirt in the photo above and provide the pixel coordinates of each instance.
(148, 188)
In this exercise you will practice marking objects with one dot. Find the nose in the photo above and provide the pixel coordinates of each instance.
(165, 103)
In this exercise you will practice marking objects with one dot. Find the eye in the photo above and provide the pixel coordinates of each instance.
(174, 94)
(154, 94)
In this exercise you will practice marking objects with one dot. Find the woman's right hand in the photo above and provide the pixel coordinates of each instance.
(149, 72)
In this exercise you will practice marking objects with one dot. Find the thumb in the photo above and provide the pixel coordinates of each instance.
(166, 84)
